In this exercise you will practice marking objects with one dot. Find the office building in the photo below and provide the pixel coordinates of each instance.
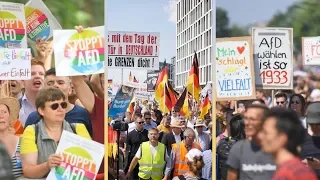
(194, 25)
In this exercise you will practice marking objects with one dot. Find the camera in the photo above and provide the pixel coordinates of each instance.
(119, 126)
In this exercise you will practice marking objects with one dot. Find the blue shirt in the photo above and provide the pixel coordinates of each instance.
(77, 115)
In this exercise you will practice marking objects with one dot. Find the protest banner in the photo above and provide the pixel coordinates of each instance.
(311, 50)
(81, 158)
(234, 69)
(142, 95)
(79, 53)
(152, 80)
(12, 26)
(39, 20)
(121, 102)
(273, 52)
(135, 50)
(15, 64)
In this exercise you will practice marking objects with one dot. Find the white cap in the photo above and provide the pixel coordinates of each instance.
(193, 153)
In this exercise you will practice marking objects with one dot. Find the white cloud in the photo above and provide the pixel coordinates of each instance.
(171, 9)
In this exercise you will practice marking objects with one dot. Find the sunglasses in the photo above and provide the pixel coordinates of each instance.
(295, 102)
(147, 118)
(55, 106)
(280, 102)
(140, 122)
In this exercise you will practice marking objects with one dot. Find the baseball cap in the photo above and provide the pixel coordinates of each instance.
(193, 153)
(313, 113)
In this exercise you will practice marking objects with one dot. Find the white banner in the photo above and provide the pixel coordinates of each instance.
(133, 50)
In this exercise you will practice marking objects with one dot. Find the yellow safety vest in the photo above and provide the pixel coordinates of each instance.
(150, 167)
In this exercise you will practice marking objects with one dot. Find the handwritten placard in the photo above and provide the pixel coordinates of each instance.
(15, 64)
(234, 69)
(311, 50)
(273, 57)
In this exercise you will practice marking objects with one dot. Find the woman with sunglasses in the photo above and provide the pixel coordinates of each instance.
(39, 142)
(298, 104)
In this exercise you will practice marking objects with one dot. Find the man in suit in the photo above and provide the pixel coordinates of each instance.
(175, 136)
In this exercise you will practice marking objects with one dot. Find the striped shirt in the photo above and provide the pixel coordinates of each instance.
(16, 162)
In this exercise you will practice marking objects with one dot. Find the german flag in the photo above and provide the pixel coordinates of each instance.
(135, 80)
(193, 84)
(165, 101)
(172, 94)
(183, 104)
(109, 82)
(131, 106)
(161, 81)
(205, 107)
(172, 89)
(130, 77)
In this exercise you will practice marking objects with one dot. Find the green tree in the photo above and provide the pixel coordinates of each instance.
(303, 17)
(222, 23)
(70, 13)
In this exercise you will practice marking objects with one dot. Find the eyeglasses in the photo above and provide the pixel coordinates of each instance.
(140, 122)
(295, 102)
(55, 106)
(280, 102)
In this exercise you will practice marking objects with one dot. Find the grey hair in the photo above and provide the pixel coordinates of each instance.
(188, 132)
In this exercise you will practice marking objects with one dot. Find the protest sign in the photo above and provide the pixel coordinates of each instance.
(15, 64)
(234, 69)
(273, 57)
(152, 80)
(311, 50)
(12, 25)
(40, 21)
(81, 158)
(79, 53)
(121, 102)
(133, 50)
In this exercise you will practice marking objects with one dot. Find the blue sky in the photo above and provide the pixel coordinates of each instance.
(158, 16)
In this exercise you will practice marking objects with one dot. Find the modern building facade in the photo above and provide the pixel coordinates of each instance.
(194, 26)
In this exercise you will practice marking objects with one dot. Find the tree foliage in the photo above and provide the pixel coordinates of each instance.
(303, 17)
(223, 27)
(70, 13)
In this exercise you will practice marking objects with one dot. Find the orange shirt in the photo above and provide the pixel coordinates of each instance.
(18, 127)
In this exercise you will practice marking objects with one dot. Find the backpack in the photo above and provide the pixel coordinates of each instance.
(223, 149)
(36, 129)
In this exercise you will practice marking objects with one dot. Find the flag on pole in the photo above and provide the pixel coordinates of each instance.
(205, 107)
(135, 80)
(183, 104)
(161, 81)
(193, 83)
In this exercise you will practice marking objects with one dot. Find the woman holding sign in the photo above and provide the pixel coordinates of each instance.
(9, 111)
(39, 142)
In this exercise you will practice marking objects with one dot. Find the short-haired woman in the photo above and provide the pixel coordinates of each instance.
(39, 142)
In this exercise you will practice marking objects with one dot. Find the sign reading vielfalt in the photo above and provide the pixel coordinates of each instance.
(138, 50)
